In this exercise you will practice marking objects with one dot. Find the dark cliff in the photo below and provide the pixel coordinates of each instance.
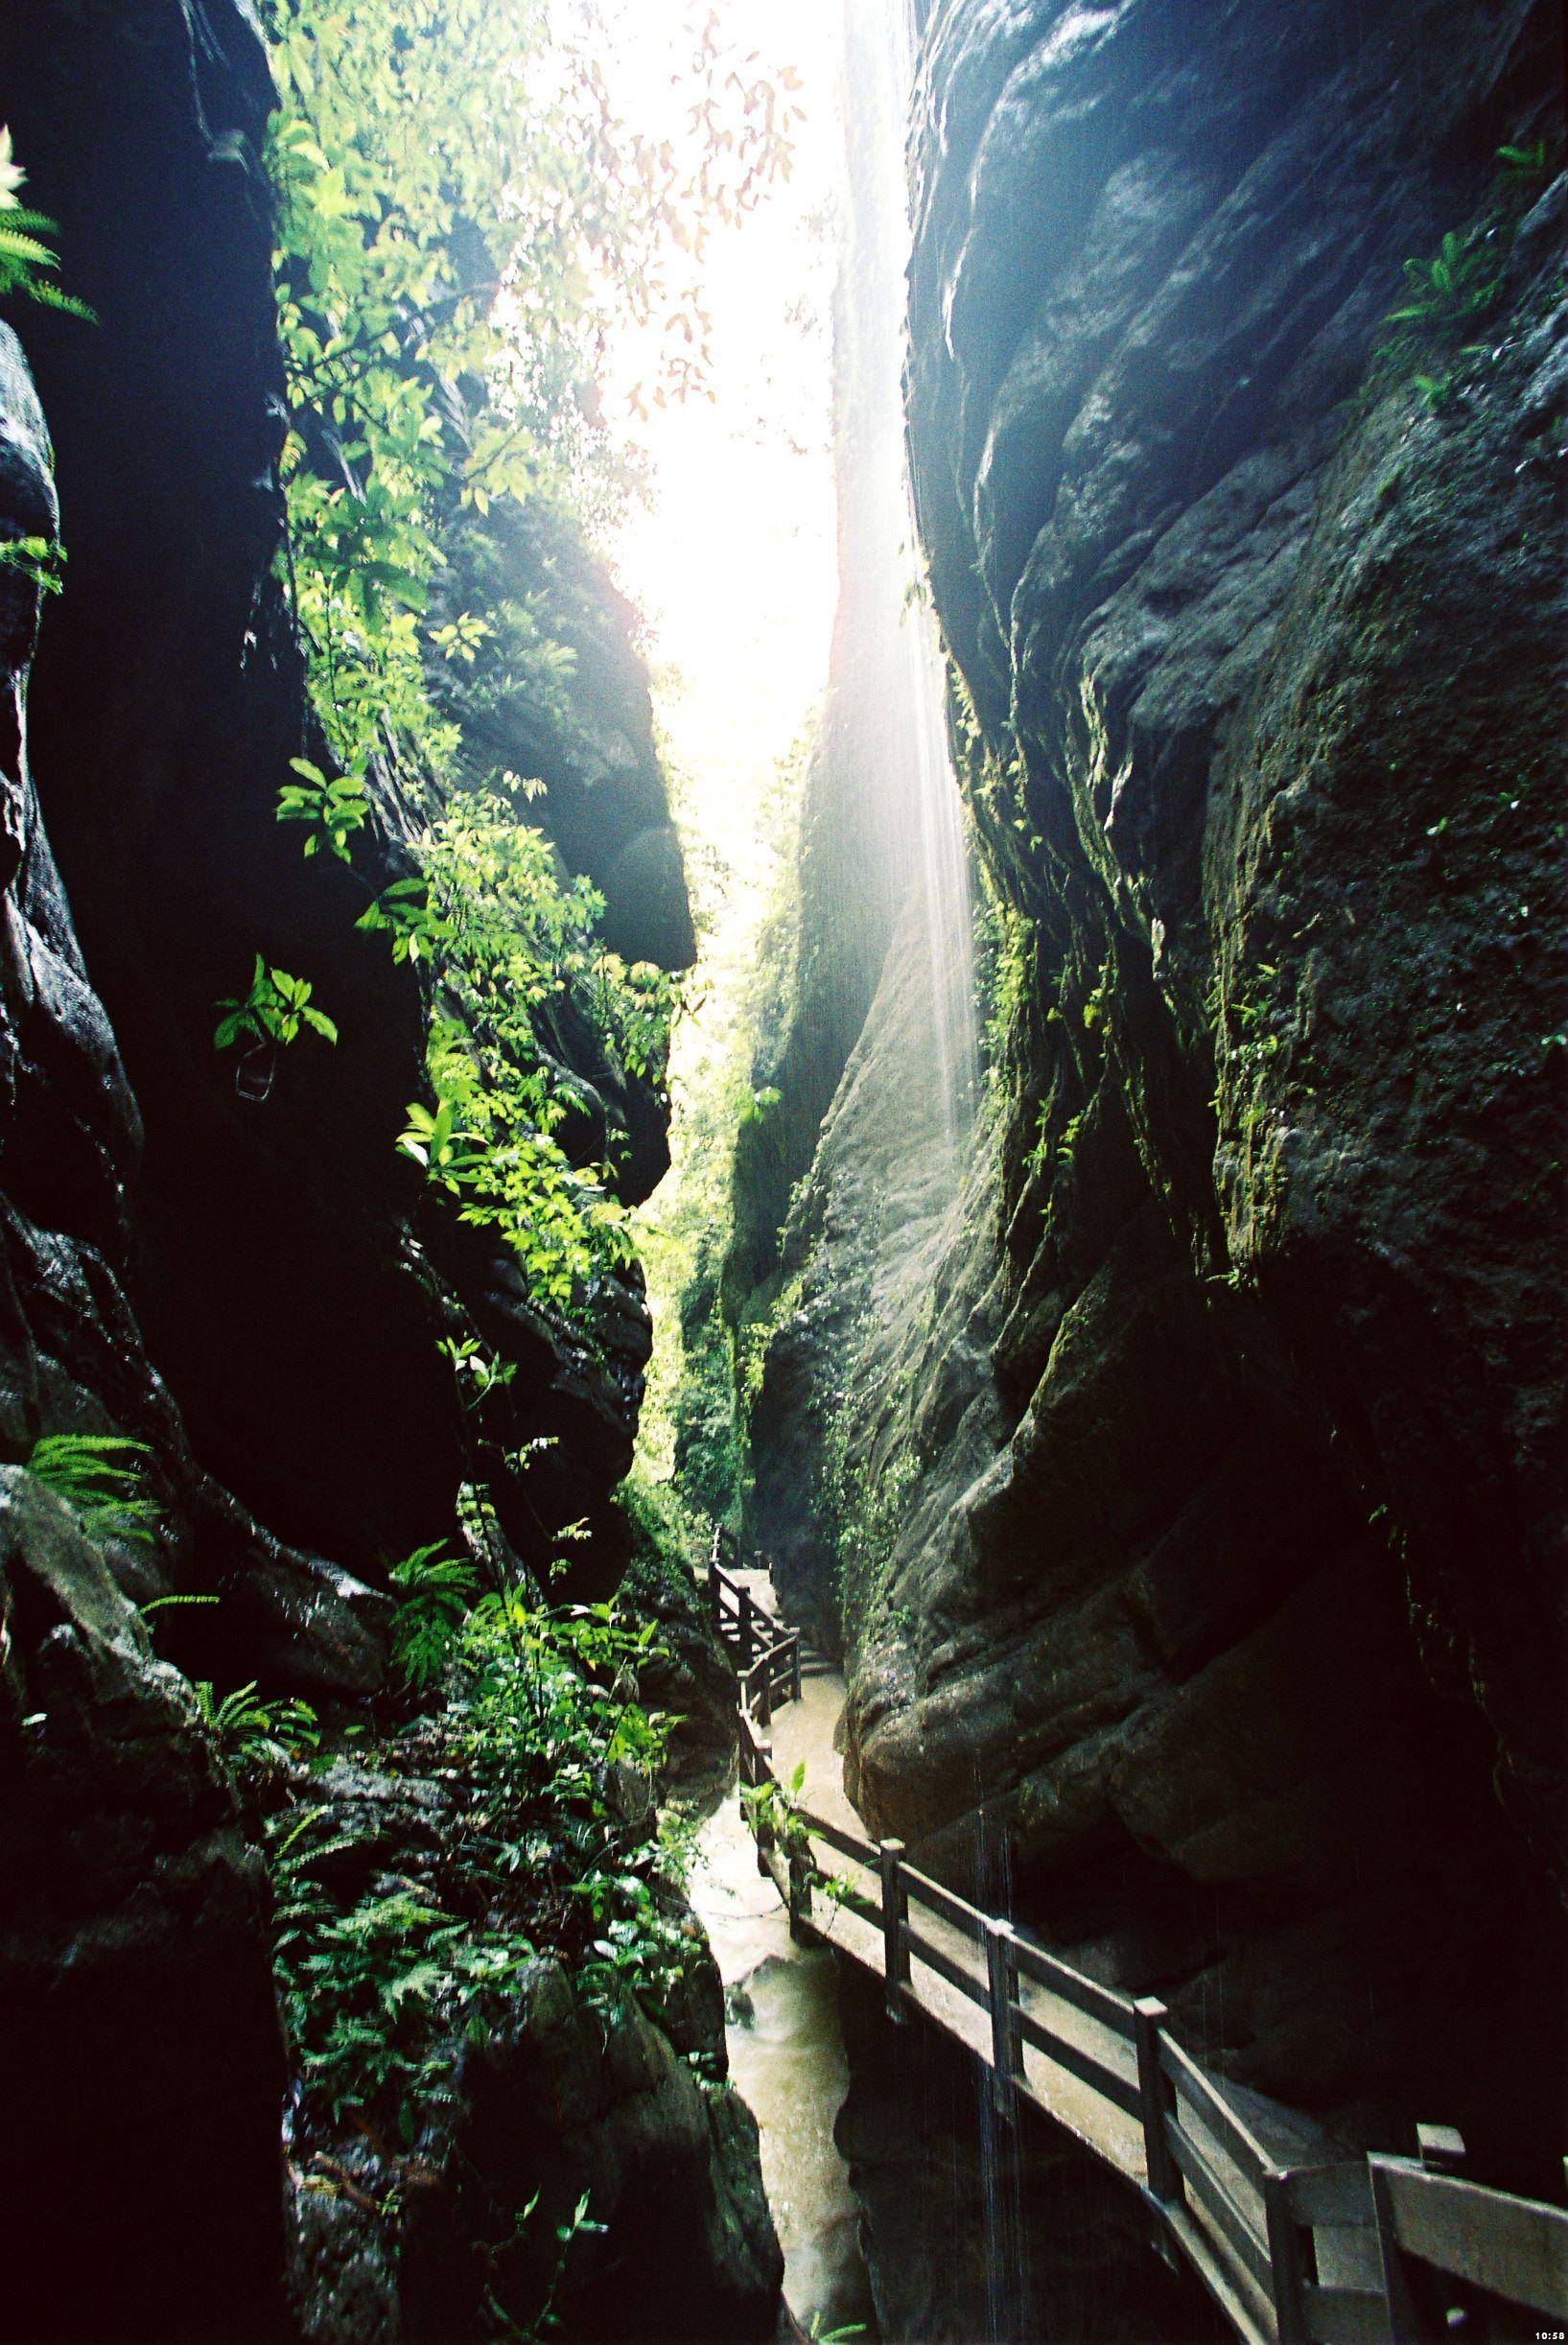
(1190, 1504)
(296, 1223)
(252, 1286)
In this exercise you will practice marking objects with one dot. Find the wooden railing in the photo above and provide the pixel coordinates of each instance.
(1334, 2253)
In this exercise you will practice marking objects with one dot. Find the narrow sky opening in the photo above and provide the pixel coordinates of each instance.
(731, 559)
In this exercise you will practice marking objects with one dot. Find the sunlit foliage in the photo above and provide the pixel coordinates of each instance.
(561, 1852)
(517, 950)
(462, 218)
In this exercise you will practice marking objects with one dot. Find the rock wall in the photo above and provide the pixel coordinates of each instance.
(1201, 1571)
(854, 858)
(882, 1255)
(290, 1276)
(146, 2067)
(251, 1288)
(146, 2063)
(557, 2109)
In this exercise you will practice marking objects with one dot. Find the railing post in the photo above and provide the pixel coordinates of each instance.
(1440, 2148)
(1002, 1977)
(1404, 2322)
(795, 1666)
(895, 1905)
(765, 1691)
(1441, 2152)
(1148, 2016)
(1285, 2266)
(716, 1592)
(747, 1632)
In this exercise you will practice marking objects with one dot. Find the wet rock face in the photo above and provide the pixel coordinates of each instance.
(144, 2061)
(668, 2165)
(885, 1257)
(1280, 668)
(72, 1350)
(859, 811)
(271, 1261)
(592, 744)
(1232, 1653)
(261, 1285)
(290, 1276)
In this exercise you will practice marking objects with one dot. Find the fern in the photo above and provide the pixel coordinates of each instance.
(257, 1736)
(28, 260)
(438, 1593)
(539, 1732)
(1455, 285)
(103, 1478)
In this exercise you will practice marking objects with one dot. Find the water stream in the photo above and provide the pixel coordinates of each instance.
(788, 2061)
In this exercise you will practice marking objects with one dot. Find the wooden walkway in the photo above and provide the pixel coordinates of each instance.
(1297, 2242)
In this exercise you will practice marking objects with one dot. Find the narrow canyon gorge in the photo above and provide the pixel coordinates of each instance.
(1102, 1287)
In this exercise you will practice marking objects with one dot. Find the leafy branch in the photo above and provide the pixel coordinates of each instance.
(275, 1011)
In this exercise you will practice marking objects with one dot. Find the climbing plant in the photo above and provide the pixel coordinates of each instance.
(461, 216)
(516, 947)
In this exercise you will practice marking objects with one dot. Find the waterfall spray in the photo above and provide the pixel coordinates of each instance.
(926, 811)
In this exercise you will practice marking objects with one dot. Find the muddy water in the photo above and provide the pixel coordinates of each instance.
(788, 2061)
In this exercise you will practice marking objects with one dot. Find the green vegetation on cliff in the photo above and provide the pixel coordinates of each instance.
(29, 262)
(440, 288)
(701, 1384)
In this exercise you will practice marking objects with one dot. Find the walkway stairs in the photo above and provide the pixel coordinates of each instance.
(1298, 2243)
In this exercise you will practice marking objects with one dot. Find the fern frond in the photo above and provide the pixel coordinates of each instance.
(101, 1478)
(19, 218)
(25, 250)
(51, 297)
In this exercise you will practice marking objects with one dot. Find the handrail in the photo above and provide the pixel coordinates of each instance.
(1101, 2002)
(1508, 2246)
(1214, 2111)
(1248, 2227)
